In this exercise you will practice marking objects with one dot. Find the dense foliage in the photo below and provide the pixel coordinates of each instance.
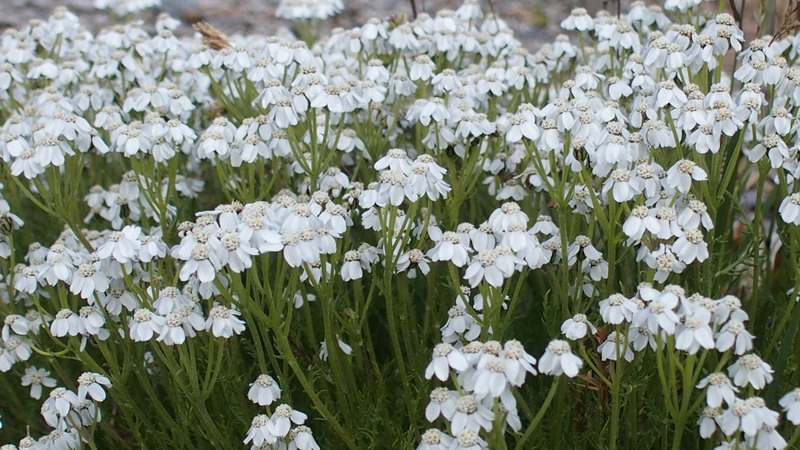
(415, 233)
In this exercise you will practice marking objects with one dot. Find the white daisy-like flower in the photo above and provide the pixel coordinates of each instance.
(738, 417)
(734, 335)
(445, 357)
(471, 414)
(143, 324)
(283, 418)
(752, 370)
(66, 323)
(691, 246)
(36, 378)
(264, 390)
(718, 389)
(224, 322)
(122, 246)
(791, 405)
(579, 20)
(617, 309)
(681, 174)
(695, 332)
(613, 345)
(442, 403)
(790, 209)
(558, 359)
(16, 323)
(518, 362)
(468, 439)
(92, 384)
(261, 431)
(434, 439)
(577, 327)
(58, 405)
(485, 266)
(708, 421)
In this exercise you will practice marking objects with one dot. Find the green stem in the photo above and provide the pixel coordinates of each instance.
(539, 414)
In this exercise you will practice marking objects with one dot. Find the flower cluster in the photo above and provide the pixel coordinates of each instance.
(193, 212)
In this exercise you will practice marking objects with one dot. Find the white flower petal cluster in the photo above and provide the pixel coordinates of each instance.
(374, 148)
(486, 373)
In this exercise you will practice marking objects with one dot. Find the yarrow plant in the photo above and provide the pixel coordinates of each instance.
(415, 233)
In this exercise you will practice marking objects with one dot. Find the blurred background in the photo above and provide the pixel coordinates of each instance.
(533, 21)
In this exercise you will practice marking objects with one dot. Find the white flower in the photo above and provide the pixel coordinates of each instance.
(681, 174)
(351, 267)
(640, 221)
(640, 337)
(122, 245)
(764, 415)
(36, 378)
(264, 390)
(66, 323)
(261, 431)
(791, 405)
(659, 314)
(617, 309)
(790, 209)
(87, 280)
(734, 335)
(767, 438)
(143, 324)
(508, 213)
(58, 405)
(681, 5)
(558, 359)
(738, 417)
(664, 261)
(460, 322)
(582, 245)
(691, 246)
(172, 332)
(623, 185)
(615, 343)
(471, 415)
(442, 402)
(708, 421)
(92, 384)
(201, 261)
(695, 215)
(492, 377)
(522, 125)
(718, 389)
(577, 327)
(421, 68)
(468, 439)
(750, 369)
(235, 250)
(224, 322)
(445, 357)
(282, 420)
(302, 439)
(485, 266)
(578, 20)
(414, 256)
(16, 323)
(695, 332)
(450, 248)
(434, 439)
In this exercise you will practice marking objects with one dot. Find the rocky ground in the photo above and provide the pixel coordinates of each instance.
(534, 21)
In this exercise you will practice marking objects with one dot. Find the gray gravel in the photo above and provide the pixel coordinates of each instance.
(534, 21)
